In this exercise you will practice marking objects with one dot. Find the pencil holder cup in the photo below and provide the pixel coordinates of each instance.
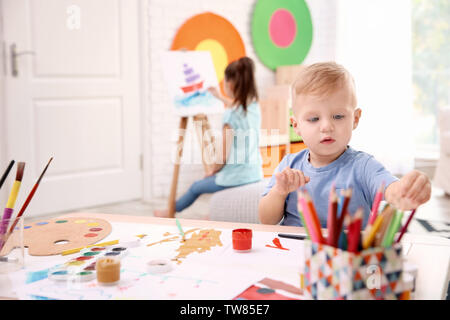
(330, 273)
(11, 245)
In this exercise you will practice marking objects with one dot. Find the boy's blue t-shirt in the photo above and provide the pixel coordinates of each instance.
(355, 169)
(244, 162)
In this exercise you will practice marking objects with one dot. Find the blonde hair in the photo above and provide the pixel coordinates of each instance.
(323, 79)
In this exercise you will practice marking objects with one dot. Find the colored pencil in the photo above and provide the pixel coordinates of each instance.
(308, 219)
(11, 203)
(6, 173)
(300, 213)
(393, 228)
(388, 213)
(30, 196)
(341, 198)
(397, 226)
(355, 231)
(405, 227)
(347, 196)
(302, 217)
(349, 225)
(343, 238)
(332, 218)
(376, 204)
(370, 236)
(315, 218)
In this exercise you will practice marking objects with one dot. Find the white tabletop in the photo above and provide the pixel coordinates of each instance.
(430, 254)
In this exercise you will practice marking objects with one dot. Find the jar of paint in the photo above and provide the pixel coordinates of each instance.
(242, 240)
(12, 257)
(108, 270)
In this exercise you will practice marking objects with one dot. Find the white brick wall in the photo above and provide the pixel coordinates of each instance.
(164, 19)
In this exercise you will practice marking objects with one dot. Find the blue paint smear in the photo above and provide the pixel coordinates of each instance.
(198, 98)
(41, 298)
(36, 276)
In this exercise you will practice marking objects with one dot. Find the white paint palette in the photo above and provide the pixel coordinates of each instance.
(82, 267)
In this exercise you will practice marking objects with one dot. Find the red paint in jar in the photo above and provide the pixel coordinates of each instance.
(242, 240)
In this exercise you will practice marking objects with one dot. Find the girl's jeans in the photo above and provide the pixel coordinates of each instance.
(206, 185)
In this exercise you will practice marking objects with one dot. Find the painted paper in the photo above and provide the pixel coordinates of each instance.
(188, 75)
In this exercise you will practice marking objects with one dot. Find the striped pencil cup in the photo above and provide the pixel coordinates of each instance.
(329, 273)
(11, 245)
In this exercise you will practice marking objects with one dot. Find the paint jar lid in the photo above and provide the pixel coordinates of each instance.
(159, 266)
(239, 234)
(108, 263)
(130, 242)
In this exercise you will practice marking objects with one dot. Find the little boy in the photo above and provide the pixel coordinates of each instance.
(324, 114)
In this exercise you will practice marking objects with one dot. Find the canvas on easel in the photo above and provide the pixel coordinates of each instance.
(188, 75)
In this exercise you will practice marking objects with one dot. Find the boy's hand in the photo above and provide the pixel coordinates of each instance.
(413, 189)
(289, 180)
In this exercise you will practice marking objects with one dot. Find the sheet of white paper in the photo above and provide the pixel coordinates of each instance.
(217, 273)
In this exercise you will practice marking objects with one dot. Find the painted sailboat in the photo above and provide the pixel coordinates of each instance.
(193, 81)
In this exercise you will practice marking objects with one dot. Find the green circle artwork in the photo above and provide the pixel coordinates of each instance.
(282, 32)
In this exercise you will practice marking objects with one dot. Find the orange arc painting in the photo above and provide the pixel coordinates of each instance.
(209, 31)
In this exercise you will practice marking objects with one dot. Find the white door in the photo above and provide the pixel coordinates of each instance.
(74, 98)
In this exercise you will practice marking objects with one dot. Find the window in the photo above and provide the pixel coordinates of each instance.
(431, 69)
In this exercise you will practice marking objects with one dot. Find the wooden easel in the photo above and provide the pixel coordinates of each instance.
(206, 141)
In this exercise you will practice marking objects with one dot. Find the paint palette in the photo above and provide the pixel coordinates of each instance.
(82, 267)
(53, 236)
(59, 274)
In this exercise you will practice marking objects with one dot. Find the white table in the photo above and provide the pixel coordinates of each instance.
(430, 254)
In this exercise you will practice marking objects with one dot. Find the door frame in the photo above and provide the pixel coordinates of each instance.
(146, 112)
(145, 119)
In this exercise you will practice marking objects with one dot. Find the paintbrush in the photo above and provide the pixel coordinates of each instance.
(103, 244)
(30, 196)
(5, 175)
(179, 228)
(11, 202)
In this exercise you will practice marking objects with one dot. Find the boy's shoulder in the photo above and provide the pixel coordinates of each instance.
(358, 155)
(364, 162)
(294, 158)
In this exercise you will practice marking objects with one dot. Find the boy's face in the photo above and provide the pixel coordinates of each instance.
(325, 123)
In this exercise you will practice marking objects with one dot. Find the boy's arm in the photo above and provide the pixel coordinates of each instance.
(271, 207)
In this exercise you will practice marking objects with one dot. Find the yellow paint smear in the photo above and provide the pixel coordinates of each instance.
(200, 242)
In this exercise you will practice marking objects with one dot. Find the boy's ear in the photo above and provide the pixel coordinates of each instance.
(356, 117)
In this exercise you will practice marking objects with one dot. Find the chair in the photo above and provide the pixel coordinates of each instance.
(239, 204)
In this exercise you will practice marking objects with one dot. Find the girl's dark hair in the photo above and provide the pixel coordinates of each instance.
(241, 74)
